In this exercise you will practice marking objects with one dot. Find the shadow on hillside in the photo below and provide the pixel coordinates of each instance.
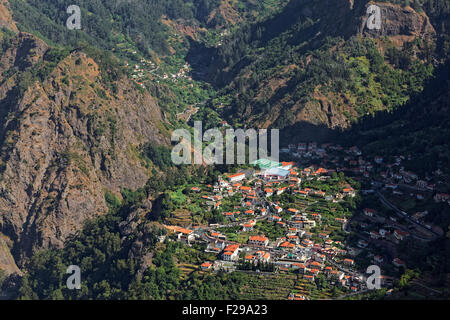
(307, 132)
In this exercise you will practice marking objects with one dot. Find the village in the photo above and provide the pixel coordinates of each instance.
(148, 70)
(280, 218)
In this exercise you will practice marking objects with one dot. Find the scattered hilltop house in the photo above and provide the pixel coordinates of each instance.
(276, 173)
(246, 189)
(281, 223)
(374, 235)
(378, 259)
(287, 245)
(278, 209)
(301, 233)
(281, 190)
(263, 256)
(258, 240)
(302, 193)
(408, 176)
(369, 212)
(362, 243)
(320, 193)
(316, 216)
(441, 197)
(293, 238)
(349, 192)
(216, 246)
(218, 236)
(230, 253)
(378, 160)
(206, 265)
(299, 266)
(321, 171)
(250, 258)
(307, 243)
(348, 262)
(315, 265)
(275, 218)
(286, 165)
(319, 257)
(401, 235)
(229, 215)
(236, 177)
(308, 224)
(249, 212)
(398, 263)
(421, 184)
(183, 234)
(341, 220)
(297, 224)
(323, 236)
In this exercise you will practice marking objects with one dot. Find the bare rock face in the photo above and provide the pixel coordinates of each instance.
(65, 141)
(6, 18)
(7, 262)
(399, 24)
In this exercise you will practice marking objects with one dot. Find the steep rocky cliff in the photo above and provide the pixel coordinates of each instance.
(66, 139)
(399, 24)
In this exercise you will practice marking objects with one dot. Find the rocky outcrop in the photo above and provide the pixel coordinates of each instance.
(6, 18)
(399, 24)
(7, 262)
(65, 140)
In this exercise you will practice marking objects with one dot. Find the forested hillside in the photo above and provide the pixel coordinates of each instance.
(107, 23)
(316, 63)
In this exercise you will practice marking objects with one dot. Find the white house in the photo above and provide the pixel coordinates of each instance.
(236, 177)
(258, 240)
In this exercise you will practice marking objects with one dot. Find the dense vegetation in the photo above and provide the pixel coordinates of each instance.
(305, 65)
(382, 95)
(108, 23)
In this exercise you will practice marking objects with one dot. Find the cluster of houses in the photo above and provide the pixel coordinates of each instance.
(297, 250)
(182, 73)
(143, 70)
(139, 71)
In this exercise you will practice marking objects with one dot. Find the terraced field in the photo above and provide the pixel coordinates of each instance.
(423, 288)
(180, 217)
(186, 269)
(276, 287)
